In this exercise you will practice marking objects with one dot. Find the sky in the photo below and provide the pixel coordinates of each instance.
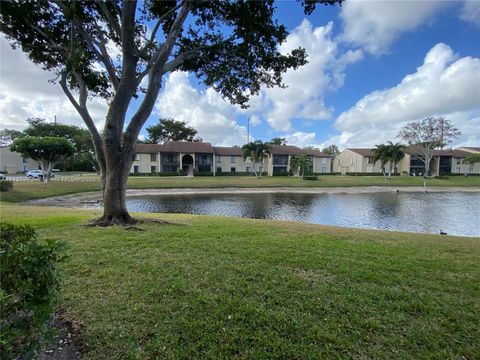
(373, 67)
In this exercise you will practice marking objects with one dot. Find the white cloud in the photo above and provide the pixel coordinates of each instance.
(306, 86)
(255, 120)
(444, 85)
(206, 111)
(470, 12)
(301, 139)
(25, 91)
(374, 25)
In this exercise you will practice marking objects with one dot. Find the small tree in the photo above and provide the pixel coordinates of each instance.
(395, 153)
(381, 154)
(472, 160)
(171, 130)
(257, 151)
(427, 135)
(331, 150)
(301, 162)
(46, 150)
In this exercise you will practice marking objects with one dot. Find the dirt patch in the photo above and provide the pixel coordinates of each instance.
(67, 344)
(313, 275)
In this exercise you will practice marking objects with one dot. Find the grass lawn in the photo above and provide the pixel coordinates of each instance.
(23, 191)
(206, 287)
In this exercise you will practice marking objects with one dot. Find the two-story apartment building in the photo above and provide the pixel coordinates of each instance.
(201, 157)
(443, 162)
(12, 162)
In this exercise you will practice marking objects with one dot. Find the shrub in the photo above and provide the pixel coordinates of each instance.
(6, 185)
(310, 177)
(30, 280)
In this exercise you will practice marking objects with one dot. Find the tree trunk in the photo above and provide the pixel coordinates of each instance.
(114, 199)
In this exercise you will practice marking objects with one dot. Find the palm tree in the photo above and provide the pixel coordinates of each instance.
(381, 154)
(257, 151)
(395, 154)
(301, 162)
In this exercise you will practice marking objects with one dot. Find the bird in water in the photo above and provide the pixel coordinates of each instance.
(442, 232)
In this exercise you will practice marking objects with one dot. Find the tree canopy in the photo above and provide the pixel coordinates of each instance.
(278, 141)
(331, 150)
(302, 163)
(82, 160)
(257, 151)
(171, 130)
(46, 150)
(120, 50)
(427, 135)
(472, 159)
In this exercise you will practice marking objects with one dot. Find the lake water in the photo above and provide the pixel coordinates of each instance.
(454, 213)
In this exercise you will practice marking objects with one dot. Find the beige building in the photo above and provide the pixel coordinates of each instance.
(192, 158)
(443, 162)
(356, 161)
(12, 162)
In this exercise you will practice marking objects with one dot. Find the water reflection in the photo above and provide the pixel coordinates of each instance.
(455, 213)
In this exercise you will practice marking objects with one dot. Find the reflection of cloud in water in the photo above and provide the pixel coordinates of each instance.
(455, 213)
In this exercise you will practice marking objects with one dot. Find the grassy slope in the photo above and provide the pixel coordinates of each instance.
(33, 190)
(206, 287)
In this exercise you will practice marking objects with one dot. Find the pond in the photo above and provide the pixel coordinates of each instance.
(454, 213)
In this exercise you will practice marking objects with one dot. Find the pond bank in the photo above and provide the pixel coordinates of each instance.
(81, 200)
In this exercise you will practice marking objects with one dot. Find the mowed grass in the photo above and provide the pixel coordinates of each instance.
(221, 288)
(23, 191)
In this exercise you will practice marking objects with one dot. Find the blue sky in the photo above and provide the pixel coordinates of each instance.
(373, 66)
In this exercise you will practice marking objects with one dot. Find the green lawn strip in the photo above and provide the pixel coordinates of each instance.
(209, 287)
(23, 191)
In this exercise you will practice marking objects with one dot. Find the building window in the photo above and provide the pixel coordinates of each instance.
(232, 160)
(137, 157)
(457, 169)
(136, 169)
(324, 169)
(24, 160)
(219, 170)
(338, 161)
(369, 159)
(232, 169)
(324, 160)
(219, 159)
(459, 161)
(153, 157)
(351, 161)
(247, 169)
(153, 169)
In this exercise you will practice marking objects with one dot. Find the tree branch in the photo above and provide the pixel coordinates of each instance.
(155, 77)
(81, 107)
(102, 54)
(159, 22)
(112, 20)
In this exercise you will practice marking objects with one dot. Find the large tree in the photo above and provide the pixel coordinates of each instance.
(427, 135)
(257, 151)
(46, 150)
(229, 45)
(171, 130)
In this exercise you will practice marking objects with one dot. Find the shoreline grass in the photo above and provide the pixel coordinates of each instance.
(23, 191)
(208, 287)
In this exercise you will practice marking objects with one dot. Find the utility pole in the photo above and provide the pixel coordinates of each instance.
(55, 119)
